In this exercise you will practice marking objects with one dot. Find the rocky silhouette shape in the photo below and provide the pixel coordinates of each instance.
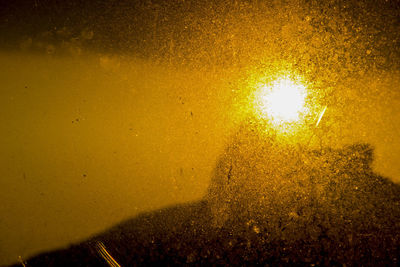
(268, 204)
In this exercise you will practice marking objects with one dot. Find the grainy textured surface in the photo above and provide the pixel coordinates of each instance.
(330, 210)
(111, 107)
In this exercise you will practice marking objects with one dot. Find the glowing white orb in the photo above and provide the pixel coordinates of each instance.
(282, 101)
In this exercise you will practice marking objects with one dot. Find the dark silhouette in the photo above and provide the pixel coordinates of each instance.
(268, 203)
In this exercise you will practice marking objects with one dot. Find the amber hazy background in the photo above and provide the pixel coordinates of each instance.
(88, 142)
(111, 108)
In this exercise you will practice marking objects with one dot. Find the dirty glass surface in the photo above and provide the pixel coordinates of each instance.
(217, 132)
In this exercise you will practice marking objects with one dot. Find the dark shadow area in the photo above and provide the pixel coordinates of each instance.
(268, 203)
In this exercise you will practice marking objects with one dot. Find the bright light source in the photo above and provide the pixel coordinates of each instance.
(282, 101)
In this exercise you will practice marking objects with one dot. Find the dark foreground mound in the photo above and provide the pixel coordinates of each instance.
(265, 206)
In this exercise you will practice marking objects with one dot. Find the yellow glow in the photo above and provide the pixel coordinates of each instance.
(283, 101)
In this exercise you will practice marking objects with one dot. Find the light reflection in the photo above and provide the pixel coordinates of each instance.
(282, 101)
(284, 106)
(287, 106)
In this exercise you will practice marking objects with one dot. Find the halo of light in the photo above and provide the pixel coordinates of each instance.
(282, 101)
